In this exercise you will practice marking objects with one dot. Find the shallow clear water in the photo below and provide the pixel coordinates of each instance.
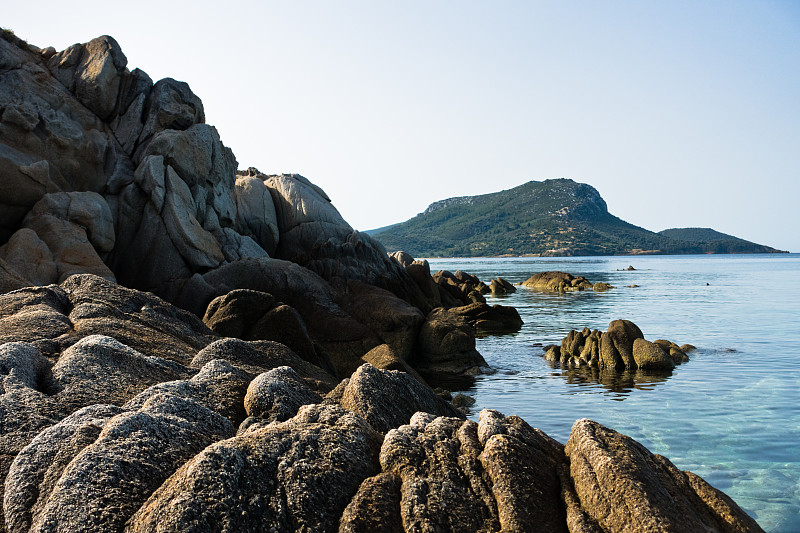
(731, 414)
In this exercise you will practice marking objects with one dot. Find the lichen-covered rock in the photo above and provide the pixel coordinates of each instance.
(388, 398)
(277, 395)
(256, 357)
(110, 476)
(616, 344)
(446, 474)
(218, 386)
(99, 369)
(297, 475)
(624, 487)
(137, 319)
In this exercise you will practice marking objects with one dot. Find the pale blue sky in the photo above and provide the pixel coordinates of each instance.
(679, 113)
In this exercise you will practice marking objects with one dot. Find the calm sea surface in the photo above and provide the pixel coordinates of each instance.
(731, 414)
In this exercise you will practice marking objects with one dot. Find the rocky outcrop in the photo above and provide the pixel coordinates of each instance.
(622, 346)
(501, 286)
(387, 399)
(98, 435)
(120, 411)
(445, 352)
(562, 282)
(621, 486)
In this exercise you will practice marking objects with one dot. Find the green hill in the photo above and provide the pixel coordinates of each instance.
(557, 217)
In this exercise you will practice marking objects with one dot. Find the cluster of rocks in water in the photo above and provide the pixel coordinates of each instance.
(300, 401)
(563, 282)
(621, 347)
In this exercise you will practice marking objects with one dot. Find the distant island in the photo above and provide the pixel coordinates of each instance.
(555, 217)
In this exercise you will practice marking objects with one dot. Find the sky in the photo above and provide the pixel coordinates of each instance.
(680, 113)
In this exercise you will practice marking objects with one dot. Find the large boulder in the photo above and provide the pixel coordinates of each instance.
(50, 141)
(621, 486)
(255, 315)
(445, 351)
(447, 474)
(105, 467)
(616, 344)
(389, 398)
(64, 233)
(297, 475)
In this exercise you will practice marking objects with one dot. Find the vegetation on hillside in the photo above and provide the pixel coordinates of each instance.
(557, 217)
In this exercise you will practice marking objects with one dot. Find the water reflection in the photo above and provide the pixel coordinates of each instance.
(620, 383)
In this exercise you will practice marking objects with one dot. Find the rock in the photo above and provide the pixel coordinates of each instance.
(51, 141)
(405, 259)
(255, 315)
(112, 470)
(383, 357)
(255, 212)
(63, 234)
(557, 281)
(25, 405)
(651, 356)
(34, 314)
(296, 475)
(446, 474)
(459, 287)
(375, 507)
(490, 320)
(137, 319)
(99, 369)
(621, 347)
(501, 286)
(277, 395)
(218, 386)
(446, 348)
(258, 357)
(617, 343)
(387, 399)
(600, 286)
(395, 321)
(619, 483)
(462, 401)
(339, 335)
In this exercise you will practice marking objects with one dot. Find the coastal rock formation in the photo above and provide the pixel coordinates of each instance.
(90, 442)
(122, 221)
(562, 282)
(622, 346)
(501, 286)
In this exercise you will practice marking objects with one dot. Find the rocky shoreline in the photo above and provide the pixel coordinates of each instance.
(301, 401)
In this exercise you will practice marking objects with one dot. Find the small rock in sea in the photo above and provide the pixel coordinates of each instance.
(632, 286)
(444, 394)
(537, 344)
(462, 400)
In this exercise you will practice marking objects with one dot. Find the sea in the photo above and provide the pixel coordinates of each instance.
(731, 414)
